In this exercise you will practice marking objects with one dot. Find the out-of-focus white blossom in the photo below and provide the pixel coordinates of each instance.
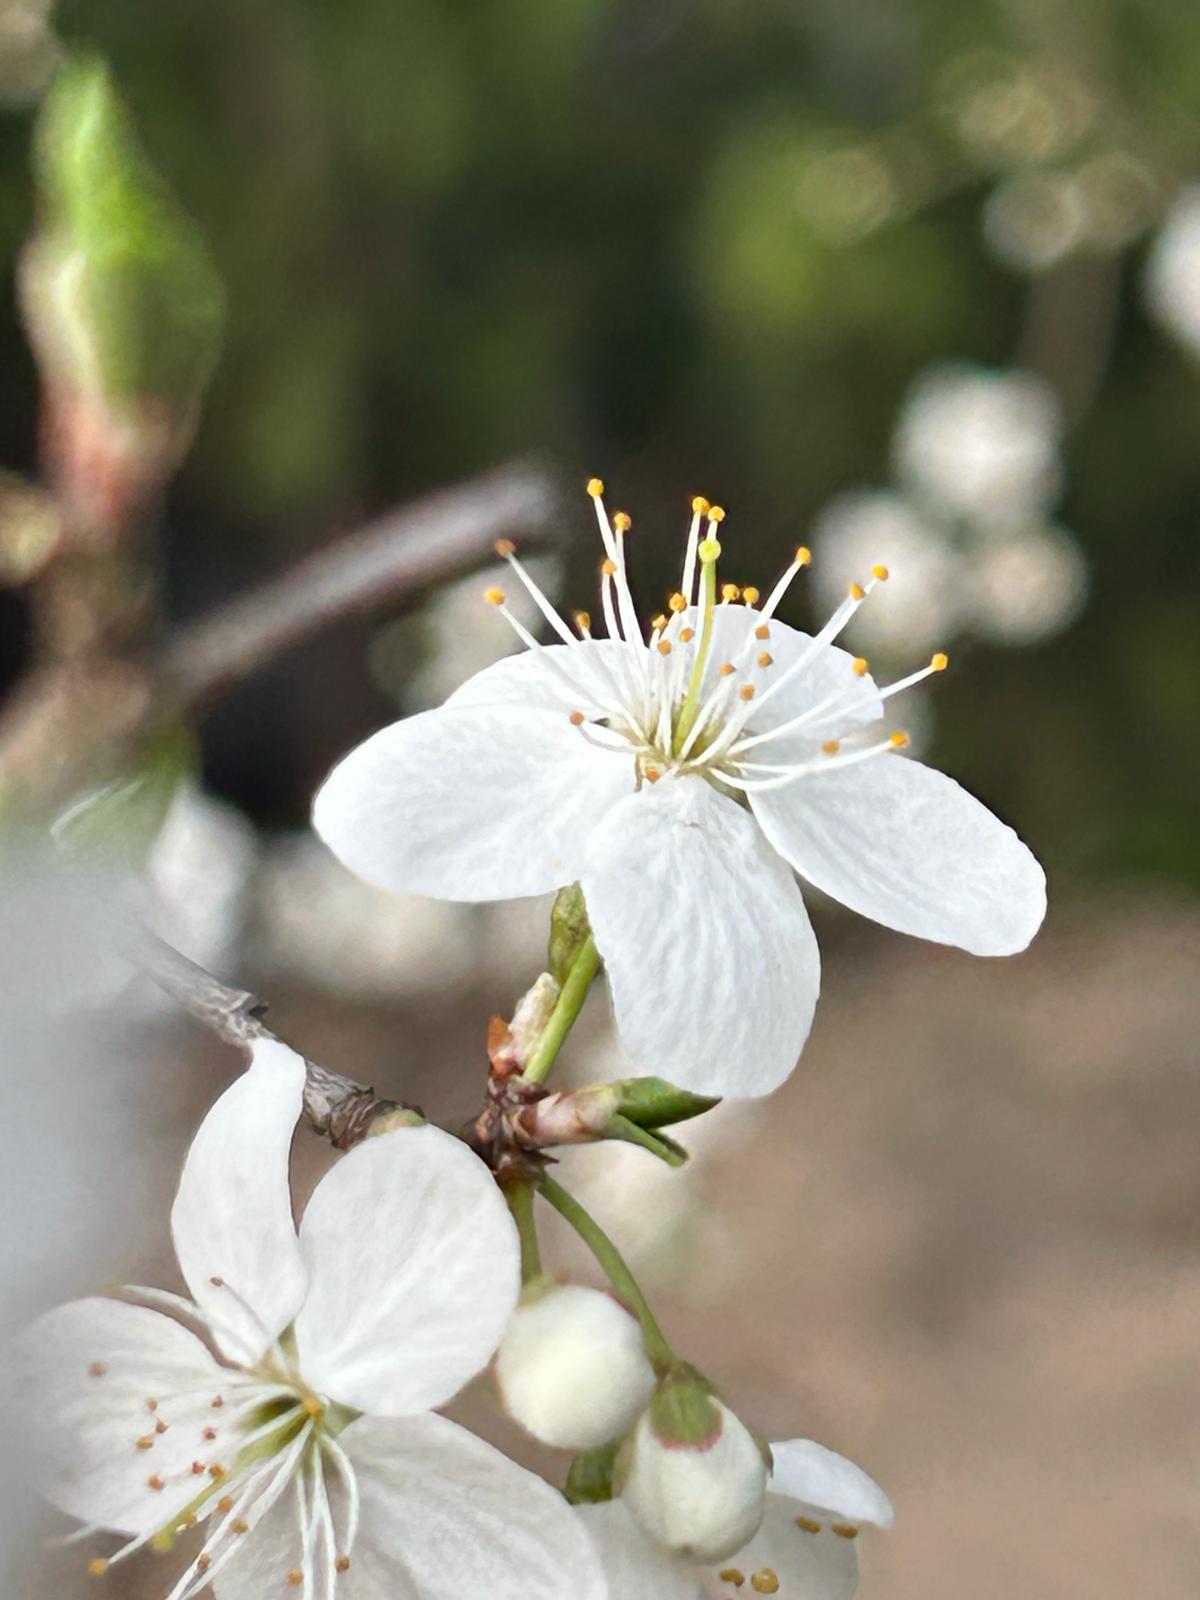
(982, 444)
(572, 1368)
(29, 50)
(198, 877)
(1027, 586)
(1172, 283)
(920, 606)
(1035, 219)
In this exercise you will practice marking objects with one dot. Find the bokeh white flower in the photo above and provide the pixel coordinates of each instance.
(1172, 282)
(981, 444)
(682, 775)
(1027, 586)
(306, 1447)
(806, 1547)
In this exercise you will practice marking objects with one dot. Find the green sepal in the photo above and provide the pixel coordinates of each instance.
(656, 1143)
(590, 1477)
(683, 1410)
(120, 822)
(569, 929)
(655, 1103)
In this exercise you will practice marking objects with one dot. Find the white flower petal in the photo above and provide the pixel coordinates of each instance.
(232, 1217)
(905, 845)
(443, 1514)
(636, 1568)
(831, 1485)
(414, 1268)
(469, 803)
(555, 678)
(810, 1565)
(88, 1371)
(710, 955)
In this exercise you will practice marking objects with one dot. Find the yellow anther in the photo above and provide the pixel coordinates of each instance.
(730, 591)
(203, 1562)
(939, 661)
(747, 691)
(803, 556)
(709, 550)
(295, 1578)
(198, 1469)
(216, 1472)
(762, 631)
(716, 513)
(608, 568)
(750, 595)
(808, 1525)
(577, 719)
(224, 1504)
(733, 1575)
(342, 1564)
(595, 487)
(156, 1483)
(218, 1402)
(313, 1407)
(160, 1426)
(676, 602)
(832, 746)
(151, 1405)
(622, 521)
(97, 1566)
(880, 572)
(687, 634)
(658, 623)
(583, 620)
(725, 668)
(653, 774)
(844, 1530)
(898, 739)
(97, 1369)
(765, 1581)
(209, 1433)
(860, 666)
(765, 658)
(146, 1442)
(699, 504)
(505, 547)
(857, 592)
(494, 597)
(217, 1282)
(240, 1525)
(664, 647)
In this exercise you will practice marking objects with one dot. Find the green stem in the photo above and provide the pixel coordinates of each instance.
(691, 704)
(520, 1203)
(616, 1269)
(570, 1003)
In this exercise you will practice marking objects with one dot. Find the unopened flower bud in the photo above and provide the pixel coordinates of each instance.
(572, 1369)
(694, 1476)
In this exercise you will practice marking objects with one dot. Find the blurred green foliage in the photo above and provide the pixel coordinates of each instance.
(694, 246)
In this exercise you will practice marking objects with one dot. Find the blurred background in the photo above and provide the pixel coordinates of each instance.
(909, 280)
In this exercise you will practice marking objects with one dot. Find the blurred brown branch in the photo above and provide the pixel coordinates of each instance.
(440, 537)
(74, 720)
(337, 1107)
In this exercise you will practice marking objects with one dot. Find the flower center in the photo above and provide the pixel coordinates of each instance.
(666, 699)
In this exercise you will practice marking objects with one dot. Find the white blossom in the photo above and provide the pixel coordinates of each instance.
(572, 1368)
(306, 1447)
(982, 444)
(805, 1548)
(699, 1497)
(1028, 586)
(1172, 283)
(683, 778)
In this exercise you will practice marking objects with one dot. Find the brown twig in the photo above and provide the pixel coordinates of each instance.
(337, 1107)
(440, 537)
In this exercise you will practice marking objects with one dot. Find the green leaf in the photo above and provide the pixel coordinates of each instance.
(655, 1103)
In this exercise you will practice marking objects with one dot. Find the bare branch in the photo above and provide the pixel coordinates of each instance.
(439, 537)
(341, 1109)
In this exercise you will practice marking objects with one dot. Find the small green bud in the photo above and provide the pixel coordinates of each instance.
(569, 928)
(590, 1478)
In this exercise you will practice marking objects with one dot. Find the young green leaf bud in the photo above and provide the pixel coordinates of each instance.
(693, 1475)
(571, 1368)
